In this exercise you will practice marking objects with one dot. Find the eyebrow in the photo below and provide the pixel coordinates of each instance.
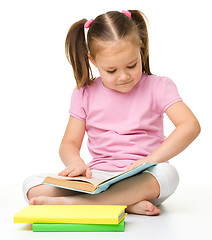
(127, 64)
(133, 61)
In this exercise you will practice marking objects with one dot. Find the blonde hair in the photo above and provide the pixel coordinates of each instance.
(110, 26)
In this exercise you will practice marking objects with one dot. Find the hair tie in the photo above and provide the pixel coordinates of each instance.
(127, 13)
(88, 23)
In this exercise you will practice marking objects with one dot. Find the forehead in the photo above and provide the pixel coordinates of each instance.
(110, 53)
(97, 45)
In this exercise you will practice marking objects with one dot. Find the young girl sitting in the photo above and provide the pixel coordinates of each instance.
(122, 113)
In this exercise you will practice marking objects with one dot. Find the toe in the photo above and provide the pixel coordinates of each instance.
(32, 201)
(152, 209)
(149, 206)
(37, 201)
(154, 212)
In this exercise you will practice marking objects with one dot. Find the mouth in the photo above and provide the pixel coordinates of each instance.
(125, 83)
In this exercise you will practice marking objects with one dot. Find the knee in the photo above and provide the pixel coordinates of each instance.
(167, 178)
(30, 185)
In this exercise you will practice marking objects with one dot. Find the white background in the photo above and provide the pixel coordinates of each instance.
(36, 80)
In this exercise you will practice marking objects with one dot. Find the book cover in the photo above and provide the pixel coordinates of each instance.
(93, 185)
(83, 214)
(71, 227)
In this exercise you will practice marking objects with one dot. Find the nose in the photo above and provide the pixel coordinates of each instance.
(124, 77)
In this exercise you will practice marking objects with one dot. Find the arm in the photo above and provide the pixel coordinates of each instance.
(70, 149)
(187, 129)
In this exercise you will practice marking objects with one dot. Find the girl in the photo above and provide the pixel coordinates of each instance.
(122, 112)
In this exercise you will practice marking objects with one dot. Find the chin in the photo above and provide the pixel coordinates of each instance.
(125, 90)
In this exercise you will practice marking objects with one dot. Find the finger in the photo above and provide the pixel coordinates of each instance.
(62, 173)
(88, 173)
(75, 172)
(66, 171)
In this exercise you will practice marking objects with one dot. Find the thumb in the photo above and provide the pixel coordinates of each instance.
(88, 173)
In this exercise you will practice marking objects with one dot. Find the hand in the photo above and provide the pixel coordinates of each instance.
(76, 168)
(137, 163)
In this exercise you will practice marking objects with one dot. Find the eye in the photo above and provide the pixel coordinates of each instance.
(132, 66)
(111, 71)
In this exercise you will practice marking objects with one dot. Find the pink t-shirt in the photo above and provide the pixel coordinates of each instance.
(123, 127)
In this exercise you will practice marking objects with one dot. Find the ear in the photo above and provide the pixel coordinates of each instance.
(91, 59)
(141, 44)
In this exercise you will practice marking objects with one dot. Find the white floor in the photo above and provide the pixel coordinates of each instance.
(185, 215)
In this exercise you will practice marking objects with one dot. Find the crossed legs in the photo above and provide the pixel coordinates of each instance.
(135, 192)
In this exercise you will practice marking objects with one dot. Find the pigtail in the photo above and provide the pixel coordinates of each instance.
(139, 19)
(77, 54)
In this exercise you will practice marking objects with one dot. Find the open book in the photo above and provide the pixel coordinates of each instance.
(93, 185)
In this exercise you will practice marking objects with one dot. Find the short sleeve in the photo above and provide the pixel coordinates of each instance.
(76, 106)
(166, 94)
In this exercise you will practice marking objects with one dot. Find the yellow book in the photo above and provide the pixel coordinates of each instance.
(84, 214)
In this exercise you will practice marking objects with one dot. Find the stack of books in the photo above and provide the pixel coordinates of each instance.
(73, 218)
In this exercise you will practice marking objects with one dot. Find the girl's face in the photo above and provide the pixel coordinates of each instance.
(119, 64)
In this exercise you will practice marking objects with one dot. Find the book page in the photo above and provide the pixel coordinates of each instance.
(98, 176)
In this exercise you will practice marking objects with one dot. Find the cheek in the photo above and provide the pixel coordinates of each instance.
(106, 77)
(138, 72)
(107, 80)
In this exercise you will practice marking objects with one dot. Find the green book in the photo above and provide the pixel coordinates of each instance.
(71, 227)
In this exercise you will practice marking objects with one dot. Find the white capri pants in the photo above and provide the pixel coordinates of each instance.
(166, 175)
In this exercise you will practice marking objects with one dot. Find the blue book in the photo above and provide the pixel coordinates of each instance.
(95, 184)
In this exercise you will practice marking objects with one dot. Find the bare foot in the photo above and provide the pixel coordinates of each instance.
(44, 200)
(144, 208)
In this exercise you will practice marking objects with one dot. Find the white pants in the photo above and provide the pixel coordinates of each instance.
(166, 175)
(168, 179)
